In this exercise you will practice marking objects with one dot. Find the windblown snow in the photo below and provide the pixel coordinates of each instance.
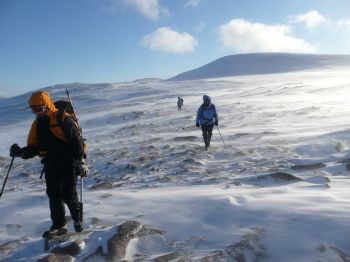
(277, 190)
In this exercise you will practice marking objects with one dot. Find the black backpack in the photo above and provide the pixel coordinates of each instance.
(64, 106)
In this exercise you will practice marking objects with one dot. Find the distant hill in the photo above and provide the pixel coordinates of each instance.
(2, 95)
(262, 63)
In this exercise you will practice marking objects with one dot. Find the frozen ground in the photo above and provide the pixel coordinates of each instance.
(278, 191)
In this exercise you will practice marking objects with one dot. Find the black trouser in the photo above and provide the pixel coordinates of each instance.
(61, 185)
(179, 107)
(207, 132)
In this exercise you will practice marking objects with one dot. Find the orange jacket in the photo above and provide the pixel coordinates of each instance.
(42, 98)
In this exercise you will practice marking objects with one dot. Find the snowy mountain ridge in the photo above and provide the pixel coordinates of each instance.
(263, 63)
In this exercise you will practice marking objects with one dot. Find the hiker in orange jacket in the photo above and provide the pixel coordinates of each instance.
(56, 138)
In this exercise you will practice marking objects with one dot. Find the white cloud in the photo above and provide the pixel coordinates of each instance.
(166, 40)
(310, 19)
(192, 3)
(151, 9)
(313, 19)
(245, 36)
(343, 24)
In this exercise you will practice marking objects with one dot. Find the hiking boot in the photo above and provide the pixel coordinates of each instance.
(55, 231)
(206, 145)
(78, 226)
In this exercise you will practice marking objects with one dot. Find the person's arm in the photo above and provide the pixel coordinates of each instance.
(216, 122)
(216, 116)
(199, 112)
(31, 150)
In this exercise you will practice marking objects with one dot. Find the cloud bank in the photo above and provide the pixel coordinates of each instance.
(245, 36)
(166, 40)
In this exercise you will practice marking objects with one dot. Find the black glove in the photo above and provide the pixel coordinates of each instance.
(197, 124)
(216, 122)
(15, 150)
(81, 168)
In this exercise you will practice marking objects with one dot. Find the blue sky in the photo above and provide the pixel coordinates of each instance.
(47, 42)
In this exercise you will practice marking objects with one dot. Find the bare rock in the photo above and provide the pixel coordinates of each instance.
(249, 248)
(102, 186)
(13, 226)
(116, 245)
(308, 166)
(168, 257)
(24, 174)
(9, 246)
(340, 253)
(185, 138)
(144, 158)
(348, 166)
(284, 176)
(132, 165)
(278, 177)
(56, 258)
(94, 220)
(71, 249)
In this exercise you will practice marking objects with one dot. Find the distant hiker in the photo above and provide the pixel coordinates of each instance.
(55, 137)
(180, 102)
(206, 119)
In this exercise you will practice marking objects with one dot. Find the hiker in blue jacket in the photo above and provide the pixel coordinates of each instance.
(206, 119)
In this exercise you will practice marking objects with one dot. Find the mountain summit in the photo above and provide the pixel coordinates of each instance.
(262, 63)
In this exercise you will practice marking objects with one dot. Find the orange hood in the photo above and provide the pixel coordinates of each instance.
(42, 98)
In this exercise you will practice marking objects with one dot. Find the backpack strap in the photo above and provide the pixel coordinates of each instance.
(59, 118)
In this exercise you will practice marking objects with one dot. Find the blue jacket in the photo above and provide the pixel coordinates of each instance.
(206, 115)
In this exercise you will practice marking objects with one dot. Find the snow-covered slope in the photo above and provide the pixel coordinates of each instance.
(263, 63)
(276, 191)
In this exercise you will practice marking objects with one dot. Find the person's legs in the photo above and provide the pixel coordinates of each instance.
(53, 189)
(205, 135)
(70, 196)
(210, 132)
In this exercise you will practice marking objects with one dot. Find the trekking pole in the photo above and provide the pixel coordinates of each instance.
(221, 136)
(42, 173)
(81, 197)
(8, 172)
(81, 204)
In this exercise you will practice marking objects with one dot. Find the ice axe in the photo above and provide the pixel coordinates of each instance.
(8, 172)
